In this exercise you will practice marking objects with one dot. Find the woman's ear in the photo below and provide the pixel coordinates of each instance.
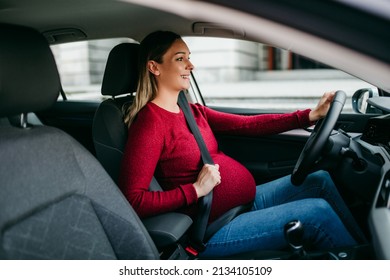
(153, 67)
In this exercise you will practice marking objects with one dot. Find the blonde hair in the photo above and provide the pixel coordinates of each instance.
(153, 47)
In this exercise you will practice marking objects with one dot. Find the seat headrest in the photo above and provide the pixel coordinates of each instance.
(29, 79)
(121, 73)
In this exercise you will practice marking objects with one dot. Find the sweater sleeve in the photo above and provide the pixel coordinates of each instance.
(255, 125)
(142, 152)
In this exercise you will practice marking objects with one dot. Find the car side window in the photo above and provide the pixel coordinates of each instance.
(81, 66)
(238, 73)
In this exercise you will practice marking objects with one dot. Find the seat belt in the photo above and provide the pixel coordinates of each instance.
(201, 230)
(200, 224)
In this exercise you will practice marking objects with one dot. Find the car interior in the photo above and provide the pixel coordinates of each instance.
(59, 197)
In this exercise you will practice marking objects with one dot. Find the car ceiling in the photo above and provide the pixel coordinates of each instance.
(95, 18)
(136, 18)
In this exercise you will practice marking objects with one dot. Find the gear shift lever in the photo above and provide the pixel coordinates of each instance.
(293, 232)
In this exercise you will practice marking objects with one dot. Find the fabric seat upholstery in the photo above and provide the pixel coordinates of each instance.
(56, 200)
(108, 130)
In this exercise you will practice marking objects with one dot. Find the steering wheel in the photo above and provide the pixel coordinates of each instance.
(312, 150)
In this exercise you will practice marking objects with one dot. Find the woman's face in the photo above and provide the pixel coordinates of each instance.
(174, 72)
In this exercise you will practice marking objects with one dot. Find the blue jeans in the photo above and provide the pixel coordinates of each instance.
(326, 219)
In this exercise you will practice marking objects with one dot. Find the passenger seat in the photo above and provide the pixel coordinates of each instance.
(56, 200)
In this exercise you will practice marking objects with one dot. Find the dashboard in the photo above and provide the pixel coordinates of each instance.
(376, 139)
(377, 131)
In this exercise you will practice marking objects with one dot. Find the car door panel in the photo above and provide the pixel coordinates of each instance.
(271, 157)
(267, 157)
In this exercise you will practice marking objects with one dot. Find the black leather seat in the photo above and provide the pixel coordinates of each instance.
(56, 200)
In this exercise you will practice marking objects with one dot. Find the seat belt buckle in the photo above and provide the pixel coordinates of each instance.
(194, 248)
(192, 251)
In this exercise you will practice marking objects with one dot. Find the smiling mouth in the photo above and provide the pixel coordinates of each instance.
(185, 76)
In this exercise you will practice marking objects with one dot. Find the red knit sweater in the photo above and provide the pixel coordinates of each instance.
(161, 144)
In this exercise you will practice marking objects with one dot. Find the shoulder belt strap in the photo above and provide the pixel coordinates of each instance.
(200, 224)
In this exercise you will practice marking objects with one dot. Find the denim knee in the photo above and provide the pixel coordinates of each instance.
(318, 209)
(320, 176)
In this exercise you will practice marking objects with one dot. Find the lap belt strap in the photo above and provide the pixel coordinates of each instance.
(200, 224)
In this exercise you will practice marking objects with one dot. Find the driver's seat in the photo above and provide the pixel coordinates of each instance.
(109, 132)
(110, 135)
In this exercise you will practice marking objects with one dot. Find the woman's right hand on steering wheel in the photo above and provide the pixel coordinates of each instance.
(208, 178)
(322, 107)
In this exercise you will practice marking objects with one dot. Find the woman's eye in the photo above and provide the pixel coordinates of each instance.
(181, 58)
